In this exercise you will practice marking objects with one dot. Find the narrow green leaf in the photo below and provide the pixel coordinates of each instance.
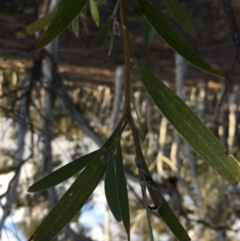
(85, 15)
(178, 13)
(64, 172)
(111, 44)
(102, 35)
(71, 202)
(36, 26)
(161, 25)
(150, 36)
(94, 12)
(166, 212)
(111, 190)
(172, 222)
(111, 142)
(67, 11)
(122, 190)
(190, 127)
(75, 26)
(73, 167)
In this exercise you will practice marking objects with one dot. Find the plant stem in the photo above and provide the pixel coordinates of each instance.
(136, 143)
(127, 57)
(127, 84)
(127, 87)
(127, 105)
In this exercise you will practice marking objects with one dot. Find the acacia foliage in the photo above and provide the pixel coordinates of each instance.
(108, 159)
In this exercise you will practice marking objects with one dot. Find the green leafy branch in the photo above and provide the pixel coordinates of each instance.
(108, 159)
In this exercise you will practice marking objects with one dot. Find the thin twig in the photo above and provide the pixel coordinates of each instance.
(127, 57)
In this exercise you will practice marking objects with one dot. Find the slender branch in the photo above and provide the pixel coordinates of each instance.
(127, 57)
(127, 104)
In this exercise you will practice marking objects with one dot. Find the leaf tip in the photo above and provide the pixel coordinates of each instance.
(128, 235)
(21, 34)
(42, 42)
(31, 238)
(217, 73)
(30, 189)
(37, 49)
(33, 188)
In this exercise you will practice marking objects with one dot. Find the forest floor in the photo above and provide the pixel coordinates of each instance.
(80, 62)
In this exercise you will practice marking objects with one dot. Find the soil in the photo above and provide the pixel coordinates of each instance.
(80, 62)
